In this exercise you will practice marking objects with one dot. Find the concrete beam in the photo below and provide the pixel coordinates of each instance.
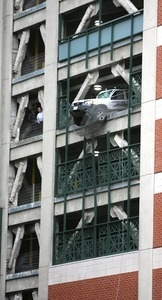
(18, 182)
(35, 295)
(91, 11)
(119, 69)
(43, 33)
(41, 97)
(18, 5)
(24, 39)
(23, 103)
(16, 246)
(69, 5)
(91, 79)
(87, 218)
(127, 4)
(117, 211)
(134, 157)
(39, 164)
(37, 230)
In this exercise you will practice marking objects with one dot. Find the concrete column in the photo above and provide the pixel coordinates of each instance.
(49, 132)
(6, 21)
(147, 152)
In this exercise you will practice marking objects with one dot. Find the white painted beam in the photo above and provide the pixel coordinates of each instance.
(20, 116)
(18, 182)
(17, 244)
(35, 295)
(43, 32)
(24, 39)
(119, 69)
(41, 97)
(39, 164)
(127, 4)
(37, 230)
(90, 79)
(18, 4)
(91, 11)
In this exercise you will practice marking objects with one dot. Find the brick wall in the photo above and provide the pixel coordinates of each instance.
(157, 242)
(157, 284)
(116, 287)
(158, 146)
(159, 12)
(159, 73)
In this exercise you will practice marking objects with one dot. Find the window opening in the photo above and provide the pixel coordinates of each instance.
(35, 53)
(28, 258)
(31, 126)
(31, 186)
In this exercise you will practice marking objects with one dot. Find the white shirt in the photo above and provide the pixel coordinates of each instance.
(40, 117)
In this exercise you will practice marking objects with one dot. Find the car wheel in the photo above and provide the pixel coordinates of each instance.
(100, 113)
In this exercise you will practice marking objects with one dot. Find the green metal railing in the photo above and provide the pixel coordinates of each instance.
(63, 108)
(135, 88)
(109, 35)
(111, 167)
(111, 238)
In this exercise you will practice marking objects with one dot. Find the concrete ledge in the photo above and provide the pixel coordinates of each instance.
(93, 268)
(22, 281)
(26, 148)
(24, 84)
(119, 193)
(24, 214)
(28, 76)
(12, 210)
(29, 17)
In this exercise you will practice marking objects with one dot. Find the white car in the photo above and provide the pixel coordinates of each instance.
(98, 108)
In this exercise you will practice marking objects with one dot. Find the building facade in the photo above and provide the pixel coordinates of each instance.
(80, 189)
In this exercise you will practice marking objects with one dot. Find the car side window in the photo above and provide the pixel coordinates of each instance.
(118, 95)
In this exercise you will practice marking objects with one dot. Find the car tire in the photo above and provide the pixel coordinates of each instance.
(100, 112)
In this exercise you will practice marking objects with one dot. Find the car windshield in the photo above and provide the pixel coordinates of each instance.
(105, 94)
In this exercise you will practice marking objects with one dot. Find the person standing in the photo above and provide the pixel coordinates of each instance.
(40, 115)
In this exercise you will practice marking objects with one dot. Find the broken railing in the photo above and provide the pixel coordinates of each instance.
(112, 238)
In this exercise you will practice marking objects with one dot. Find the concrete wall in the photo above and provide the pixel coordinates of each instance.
(147, 150)
(5, 103)
(49, 132)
